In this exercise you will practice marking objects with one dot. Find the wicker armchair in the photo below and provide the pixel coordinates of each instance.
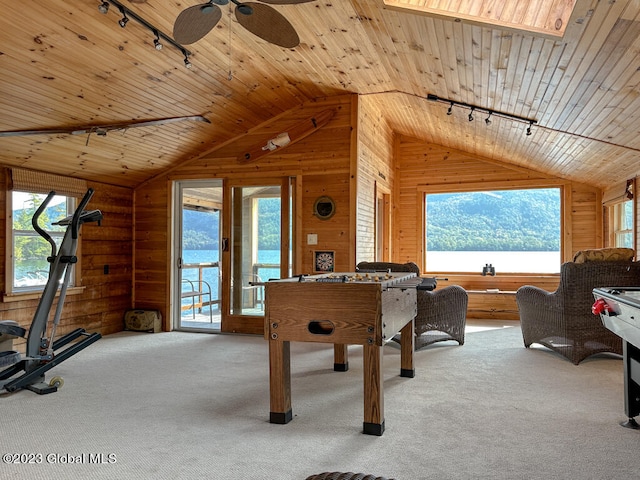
(562, 320)
(442, 314)
(345, 476)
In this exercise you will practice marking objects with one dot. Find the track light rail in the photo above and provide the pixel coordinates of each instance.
(158, 34)
(474, 109)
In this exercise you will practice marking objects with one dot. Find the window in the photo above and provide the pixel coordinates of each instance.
(30, 268)
(515, 231)
(622, 223)
(540, 18)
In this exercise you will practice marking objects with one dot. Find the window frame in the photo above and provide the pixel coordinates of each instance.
(616, 220)
(13, 293)
(424, 190)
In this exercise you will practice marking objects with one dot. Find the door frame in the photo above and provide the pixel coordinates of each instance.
(177, 202)
(382, 243)
(253, 324)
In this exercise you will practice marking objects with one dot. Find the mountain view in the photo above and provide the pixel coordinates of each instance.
(510, 220)
(201, 228)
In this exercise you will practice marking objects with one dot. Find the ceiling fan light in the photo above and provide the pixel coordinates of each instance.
(245, 9)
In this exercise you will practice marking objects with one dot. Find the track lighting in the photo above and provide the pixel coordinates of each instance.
(474, 108)
(124, 20)
(187, 63)
(156, 41)
(160, 39)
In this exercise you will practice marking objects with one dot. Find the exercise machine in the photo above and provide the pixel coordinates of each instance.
(43, 351)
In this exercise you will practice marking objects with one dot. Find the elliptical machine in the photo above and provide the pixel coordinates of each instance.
(42, 351)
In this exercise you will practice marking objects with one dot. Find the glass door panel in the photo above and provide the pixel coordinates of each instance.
(198, 230)
(256, 245)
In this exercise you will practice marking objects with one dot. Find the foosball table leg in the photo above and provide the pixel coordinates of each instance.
(373, 391)
(280, 381)
(407, 346)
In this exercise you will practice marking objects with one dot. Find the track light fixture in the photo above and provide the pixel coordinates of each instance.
(474, 108)
(160, 39)
(187, 63)
(156, 41)
(124, 20)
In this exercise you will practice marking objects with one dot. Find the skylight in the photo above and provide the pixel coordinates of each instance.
(541, 17)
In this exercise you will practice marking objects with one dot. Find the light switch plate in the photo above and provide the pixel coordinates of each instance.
(312, 239)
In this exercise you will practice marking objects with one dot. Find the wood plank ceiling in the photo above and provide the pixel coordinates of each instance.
(64, 64)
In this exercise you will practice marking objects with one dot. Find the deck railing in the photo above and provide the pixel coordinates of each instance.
(210, 272)
(205, 273)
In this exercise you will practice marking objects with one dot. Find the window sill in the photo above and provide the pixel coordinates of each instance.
(22, 296)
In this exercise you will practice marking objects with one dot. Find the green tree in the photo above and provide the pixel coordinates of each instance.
(28, 245)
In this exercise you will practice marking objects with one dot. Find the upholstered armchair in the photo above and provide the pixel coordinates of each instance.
(442, 314)
(562, 320)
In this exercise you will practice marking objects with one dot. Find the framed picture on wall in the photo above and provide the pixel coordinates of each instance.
(323, 261)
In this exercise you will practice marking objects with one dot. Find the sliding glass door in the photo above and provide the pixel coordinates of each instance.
(197, 239)
(259, 249)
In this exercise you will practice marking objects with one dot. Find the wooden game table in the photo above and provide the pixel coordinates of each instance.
(342, 309)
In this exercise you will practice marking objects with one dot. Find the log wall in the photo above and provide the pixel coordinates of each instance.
(375, 170)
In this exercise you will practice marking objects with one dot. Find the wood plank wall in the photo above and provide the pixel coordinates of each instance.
(375, 170)
(321, 164)
(421, 165)
(106, 296)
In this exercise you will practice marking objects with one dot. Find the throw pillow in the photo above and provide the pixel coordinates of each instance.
(604, 255)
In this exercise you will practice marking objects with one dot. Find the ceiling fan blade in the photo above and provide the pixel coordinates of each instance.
(195, 22)
(286, 2)
(269, 24)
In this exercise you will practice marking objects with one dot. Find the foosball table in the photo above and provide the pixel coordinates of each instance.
(365, 309)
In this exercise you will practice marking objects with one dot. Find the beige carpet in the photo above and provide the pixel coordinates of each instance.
(188, 406)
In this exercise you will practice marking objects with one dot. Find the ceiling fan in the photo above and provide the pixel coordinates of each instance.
(262, 20)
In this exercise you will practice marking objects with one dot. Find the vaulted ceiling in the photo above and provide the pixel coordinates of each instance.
(63, 64)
